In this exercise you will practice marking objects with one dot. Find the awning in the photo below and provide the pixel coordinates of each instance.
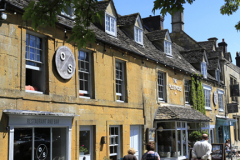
(179, 113)
(225, 121)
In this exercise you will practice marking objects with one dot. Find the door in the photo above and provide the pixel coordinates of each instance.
(86, 143)
(136, 140)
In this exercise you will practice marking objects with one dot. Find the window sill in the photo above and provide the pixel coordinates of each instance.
(208, 109)
(221, 110)
(33, 67)
(30, 91)
(112, 34)
(119, 101)
(84, 97)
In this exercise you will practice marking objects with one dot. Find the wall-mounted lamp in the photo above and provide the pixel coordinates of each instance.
(103, 140)
(160, 129)
(147, 59)
(135, 58)
(123, 54)
(3, 16)
(97, 43)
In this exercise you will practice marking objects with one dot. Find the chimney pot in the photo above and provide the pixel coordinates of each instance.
(150, 15)
(223, 39)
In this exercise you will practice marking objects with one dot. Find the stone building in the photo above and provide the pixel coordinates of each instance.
(58, 102)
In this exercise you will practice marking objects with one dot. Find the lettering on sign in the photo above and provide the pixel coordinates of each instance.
(174, 87)
(42, 121)
(175, 80)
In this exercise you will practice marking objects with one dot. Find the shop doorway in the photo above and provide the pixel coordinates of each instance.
(86, 143)
(135, 140)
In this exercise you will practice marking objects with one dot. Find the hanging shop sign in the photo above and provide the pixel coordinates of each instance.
(65, 62)
(232, 108)
(215, 98)
(218, 151)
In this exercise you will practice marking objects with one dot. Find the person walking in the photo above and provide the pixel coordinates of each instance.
(202, 149)
(150, 154)
(130, 156)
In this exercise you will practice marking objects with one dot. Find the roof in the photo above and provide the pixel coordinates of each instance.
(213, 54)
(207, 44)
(127, 20)
(234, 67)
(193, 56)
(213, 64)
(101, 5)
(153, 22)
(157, 34)
(179, 113)
(228, 56)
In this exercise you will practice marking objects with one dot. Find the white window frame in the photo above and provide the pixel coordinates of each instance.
(220, 92)
(217, 75)
(122, 80)
(204, 69)
(207, 89)
(168, 47)
(42, 68)
(161, 85)
(119, 141)
(138, 35)
(89, 77)
(110, 24)
(188, 91)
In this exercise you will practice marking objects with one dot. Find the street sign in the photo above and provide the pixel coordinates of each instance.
(232, 108)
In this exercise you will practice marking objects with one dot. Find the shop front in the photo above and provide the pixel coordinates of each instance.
(223, 128)
(36, 135)
(173, 126)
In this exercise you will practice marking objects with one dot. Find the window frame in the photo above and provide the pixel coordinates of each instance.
(168, 46)
(204, 69)
(217, 75)
(113, 33)
(188, 91)
(118, 154)
(208, 89)
(162, 99)
(122, 81)
(220, 102)
(42, 59)
(89, 92)
(138, 31)
(233, 80)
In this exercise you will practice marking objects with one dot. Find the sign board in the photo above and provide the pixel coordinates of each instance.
(234, 90)
(65, 62)
(151, 134)
(232, 108)
(215, 98)
(218, 151)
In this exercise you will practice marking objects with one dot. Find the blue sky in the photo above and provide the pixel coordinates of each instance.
(202, 20)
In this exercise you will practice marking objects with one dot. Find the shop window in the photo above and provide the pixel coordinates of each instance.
(204, 69)
(161, 86)
(44, 141)
(120, 80)
(187, 91)
(84, 71)
(220, 100)
(35, 75)
(110, 25)
(207, 96)
(114, 143)
(86, 143)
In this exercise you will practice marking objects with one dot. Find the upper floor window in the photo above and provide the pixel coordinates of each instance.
(84, 71)
(168, 48)
(120, 82)
(204, 69)
(187, 91)
(233, 80)
(220, 100)
(110, 25)
(69, 12)
(161, 86)
(207, 96)
(35, 77)
(138, 35)
(217, 74)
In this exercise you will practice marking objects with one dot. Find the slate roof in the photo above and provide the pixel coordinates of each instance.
(234, 67)
(101, 5)
(179, 113)
(208, 45)
(228, 56)
(193, 56)
(212, 54)
(157, 35)
(127, 20)
(213, 64)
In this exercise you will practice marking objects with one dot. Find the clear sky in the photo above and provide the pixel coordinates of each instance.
(202, 20)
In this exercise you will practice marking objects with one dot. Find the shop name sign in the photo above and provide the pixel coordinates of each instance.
(175, 87)
(42, 121)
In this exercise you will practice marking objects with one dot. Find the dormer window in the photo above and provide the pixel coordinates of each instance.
(168, 48)
(204, 69)
(217, 75)
(110, 25)
(138, 35)
(69, 12)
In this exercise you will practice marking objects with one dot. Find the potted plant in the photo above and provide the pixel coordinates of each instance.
(82, 150)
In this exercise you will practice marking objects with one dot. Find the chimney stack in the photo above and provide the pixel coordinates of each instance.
(213, 39)
(224, 45)
(153, 23)
(237, 59)
(177, 22)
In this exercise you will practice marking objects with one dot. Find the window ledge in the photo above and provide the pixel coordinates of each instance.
(120, 101)
(84, 97)
(33, 67)
(221, 110)
(208, 108)
(30, 91)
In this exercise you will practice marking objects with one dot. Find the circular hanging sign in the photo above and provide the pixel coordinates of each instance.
(215, 98)
(41, 152)
(65, 62)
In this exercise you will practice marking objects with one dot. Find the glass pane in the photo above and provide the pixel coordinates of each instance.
(166, 144)
(116, 140)
(87, 67)
(32, 41)
(59, 143)
(113, 157)
(81, 55)
(84, 142)
(112, 130)
(166, 125)
(42, 144)
(185, 143)
(116, 130)
(81, 85)
(38, 42)
(111, 149)
(179, 142)
(86, 85)
(22, 143)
